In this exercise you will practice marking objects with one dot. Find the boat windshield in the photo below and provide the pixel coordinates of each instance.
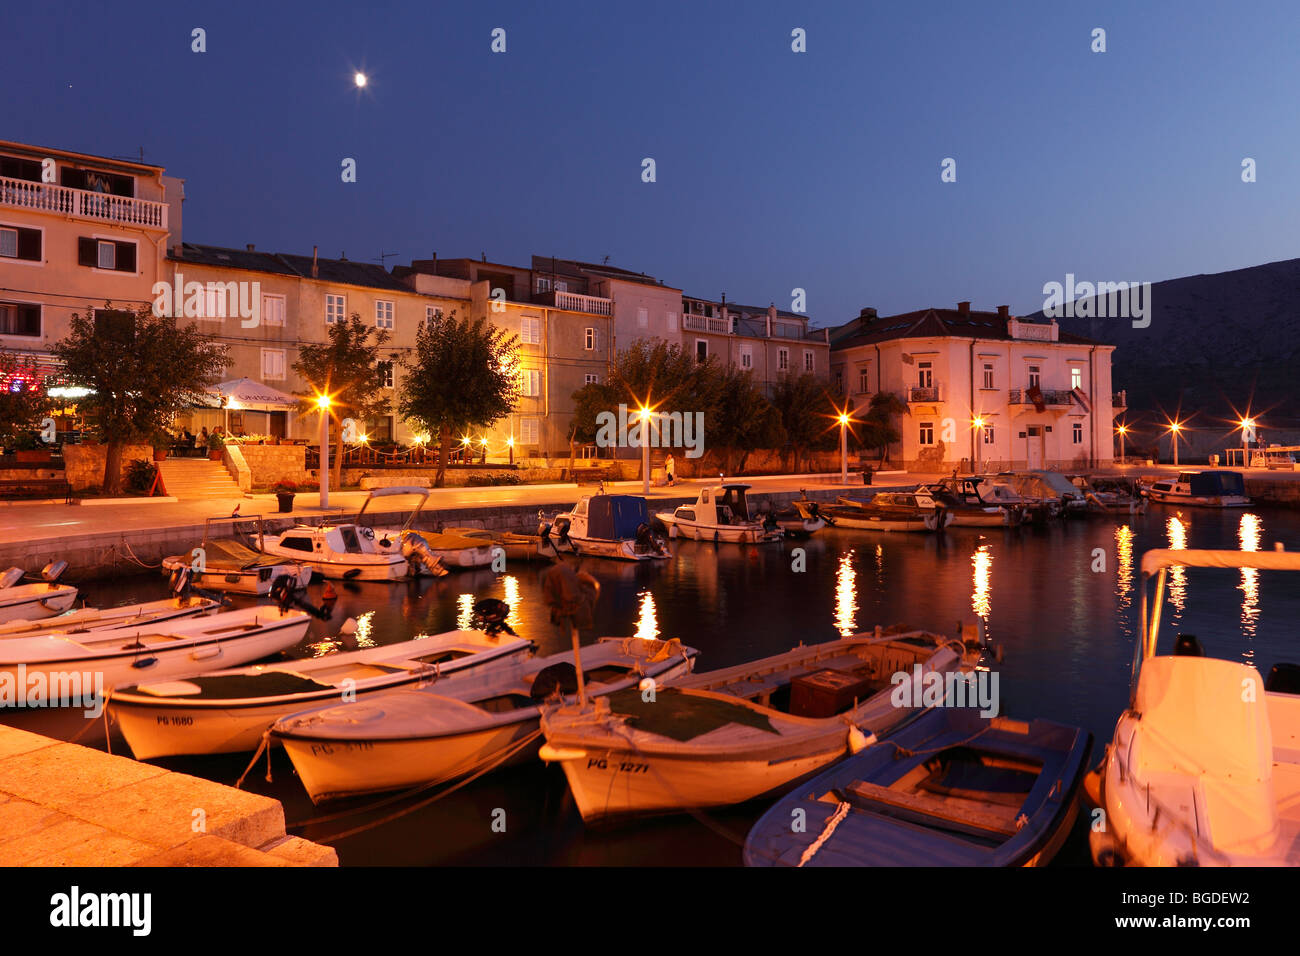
(351, 543)
(733, 499)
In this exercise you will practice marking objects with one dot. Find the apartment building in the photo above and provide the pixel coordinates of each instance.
(641, 306)
(983, 389)
(769, 342)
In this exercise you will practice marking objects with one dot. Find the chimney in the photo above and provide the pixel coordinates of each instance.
(1004, 311)
(250, 248)
(315, 269)
(868, 313)
(963, 308)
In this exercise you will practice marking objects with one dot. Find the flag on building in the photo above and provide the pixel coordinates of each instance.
(1081, 397)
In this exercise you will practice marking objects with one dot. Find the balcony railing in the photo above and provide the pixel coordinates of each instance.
(82, 204)
(574, 302)
(1119, 400)
(706, 323)
(926, 393)
(1051, 396)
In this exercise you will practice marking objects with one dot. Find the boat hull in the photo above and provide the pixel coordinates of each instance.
(1199, 501)
(255, 582)
(35, 601)
(726, 534)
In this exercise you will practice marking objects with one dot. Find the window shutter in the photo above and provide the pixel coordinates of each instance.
(87, 254)
(29, 244)
(126, 257)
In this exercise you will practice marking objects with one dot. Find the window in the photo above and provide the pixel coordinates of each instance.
(701, 351)
(1035, 376)
(107, 254)
(561, 285)
(296, 544)
(335, 308)
(530, 331)
(273, 310)
(839, 381)
(864, 379)
(529, 431)
(18, 243)
(591, 379)
(925, 374)
(383, 314)
(431, 314)
(272, 365)
(927, 433)
(530, 382)
(1076, 378)
(1078, 433)
(589, 339)
(642, 318)
(671, 319)
(543, 284)
(807, 361)
(988, 375)
(783, 360)
(747, 356)
(17, 318)
(988, 434)
(386, 374)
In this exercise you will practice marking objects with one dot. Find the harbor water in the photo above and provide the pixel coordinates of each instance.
(1061, 601)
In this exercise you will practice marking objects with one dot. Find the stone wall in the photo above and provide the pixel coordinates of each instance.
(83, 465)
(267, 464)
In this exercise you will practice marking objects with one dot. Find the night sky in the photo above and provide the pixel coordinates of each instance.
(775, 169)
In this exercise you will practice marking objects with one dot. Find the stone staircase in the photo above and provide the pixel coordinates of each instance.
(198, 478)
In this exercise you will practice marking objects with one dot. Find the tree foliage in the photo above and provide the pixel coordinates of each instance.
(141, 369)
(806, 413)
(877, 429)
(23, 402)
(742, 419)
(463, 375)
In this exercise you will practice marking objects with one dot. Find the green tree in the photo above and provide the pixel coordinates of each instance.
(464, 374)
(806, 413)
(23, 402)
(878, 430)
(742, 420)
(350, 368)
(141, 369)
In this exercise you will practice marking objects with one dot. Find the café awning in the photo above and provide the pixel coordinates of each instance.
(244, 393)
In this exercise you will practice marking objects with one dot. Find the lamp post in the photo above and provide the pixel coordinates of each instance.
(1121, 430)
(1174, 429)
(844, 448)
(510, 444)
(1247, 436)
(645, 451)
(323, 403)
(978, 422)
(483, 444)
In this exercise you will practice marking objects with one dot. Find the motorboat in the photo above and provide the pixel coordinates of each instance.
(1204, 766)
(429, 553)
(1110, 495)
(607, 526)
(229, 711)
(1201, 489)
(975, 491)
(891, 511)
(26, 602)
(735, 734)
(1051, 488)
(416, 736)
(950, 788)
(167, 651)
(231, 564)
(515, 545)
(967, 515)
(720, 513)
(801, 519)
(84, 620)
(339, 551)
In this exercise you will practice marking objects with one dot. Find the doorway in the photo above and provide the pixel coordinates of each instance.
(1034, 446)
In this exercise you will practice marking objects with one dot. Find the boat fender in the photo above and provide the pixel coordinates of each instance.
(858, 741)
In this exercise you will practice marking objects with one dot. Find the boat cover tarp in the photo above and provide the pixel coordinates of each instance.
(1212, 483)
(221, 552)
(615, 517)
(266, 684)
(1159, 558)
(681, 717)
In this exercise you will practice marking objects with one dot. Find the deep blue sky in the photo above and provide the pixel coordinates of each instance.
(775, 169)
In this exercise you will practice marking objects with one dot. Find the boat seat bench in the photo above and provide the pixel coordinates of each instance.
(870, 796)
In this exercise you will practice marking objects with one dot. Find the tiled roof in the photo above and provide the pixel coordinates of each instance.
(926, 323)
(328, 270)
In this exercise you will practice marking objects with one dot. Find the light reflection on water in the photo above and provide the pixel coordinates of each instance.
(647, 623)
(1249, 531)
(846, 595)
(1176, 531)
(1124, 574)
(981, 566)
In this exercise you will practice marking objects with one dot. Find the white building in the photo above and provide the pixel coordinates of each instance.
(984, 390)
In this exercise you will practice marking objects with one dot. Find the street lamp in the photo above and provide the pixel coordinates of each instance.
(844, 448)
(1247, 436)
(978, 423)
(323, 404)
(1174, 429)
(1121, 430)
(483, 442)
(645, 451)
(510, 444)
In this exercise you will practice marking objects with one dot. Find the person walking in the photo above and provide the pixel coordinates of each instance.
(670, 470)
(571, 595)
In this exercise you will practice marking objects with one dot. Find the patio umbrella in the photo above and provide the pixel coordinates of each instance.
(246, 393)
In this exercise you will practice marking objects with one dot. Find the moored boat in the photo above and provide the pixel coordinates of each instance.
(1204, 765)
(1110, 495)
(967, 515)
(950, 788)
(339, 551)
(891, 511)
(231, 564)
(515, 545)
(1201, 489)
(144, 614)
(731, 735)
(607, 526)
(975, 491)
(409, 737)
(801, 519)
(423, 559)
(721, 513)
(27, 602)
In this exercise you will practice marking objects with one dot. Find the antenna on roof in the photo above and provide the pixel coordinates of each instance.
(385, 255)
(606, 261)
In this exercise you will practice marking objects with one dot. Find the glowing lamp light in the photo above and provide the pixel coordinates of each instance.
(510, 442)
(978, 422)
(645, 413)
(465, 441)
(360, 80)
(1175, 427)
(323, 402)
(1122, 429)
(362, 438)
(483, 442)
(844, 418)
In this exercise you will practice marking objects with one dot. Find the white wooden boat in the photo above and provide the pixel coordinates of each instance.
(731, 735)
(802, 519)
(515, 545)
(606, 526)
(145, 614)
(966, 514)
(423, 559)
(1051, 488)
(1201, 489)
(977, 492)
(1204, 766)
(167, 651)
(229, 711)
(339, 551)
(1110, 496)
(1039, 504)
(891, 511)
(720, 513)
(229, 564)
(405, 738)
(27, 602)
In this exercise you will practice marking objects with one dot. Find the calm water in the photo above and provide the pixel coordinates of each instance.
(1065, 628)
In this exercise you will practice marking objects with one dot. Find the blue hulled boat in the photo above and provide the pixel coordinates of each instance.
(951, 788)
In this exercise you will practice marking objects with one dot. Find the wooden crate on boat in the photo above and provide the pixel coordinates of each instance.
(827, 692)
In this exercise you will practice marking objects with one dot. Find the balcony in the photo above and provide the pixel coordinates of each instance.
(1051, 396)
(1119, 400)
(573, 302)
(923, 393)
(82, 204)
(706, 323)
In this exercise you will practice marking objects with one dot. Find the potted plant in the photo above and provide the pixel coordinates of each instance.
(162, 443)
(215, 446)
(30, 450)
(284, 490)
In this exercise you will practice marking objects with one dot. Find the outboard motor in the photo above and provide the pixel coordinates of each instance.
(1283, 678)
(1186, 645)
(561, 678)
(180, 580)
(11, 578)
(416, 551)
(489, 616)
(53, 571)
(286, 596)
